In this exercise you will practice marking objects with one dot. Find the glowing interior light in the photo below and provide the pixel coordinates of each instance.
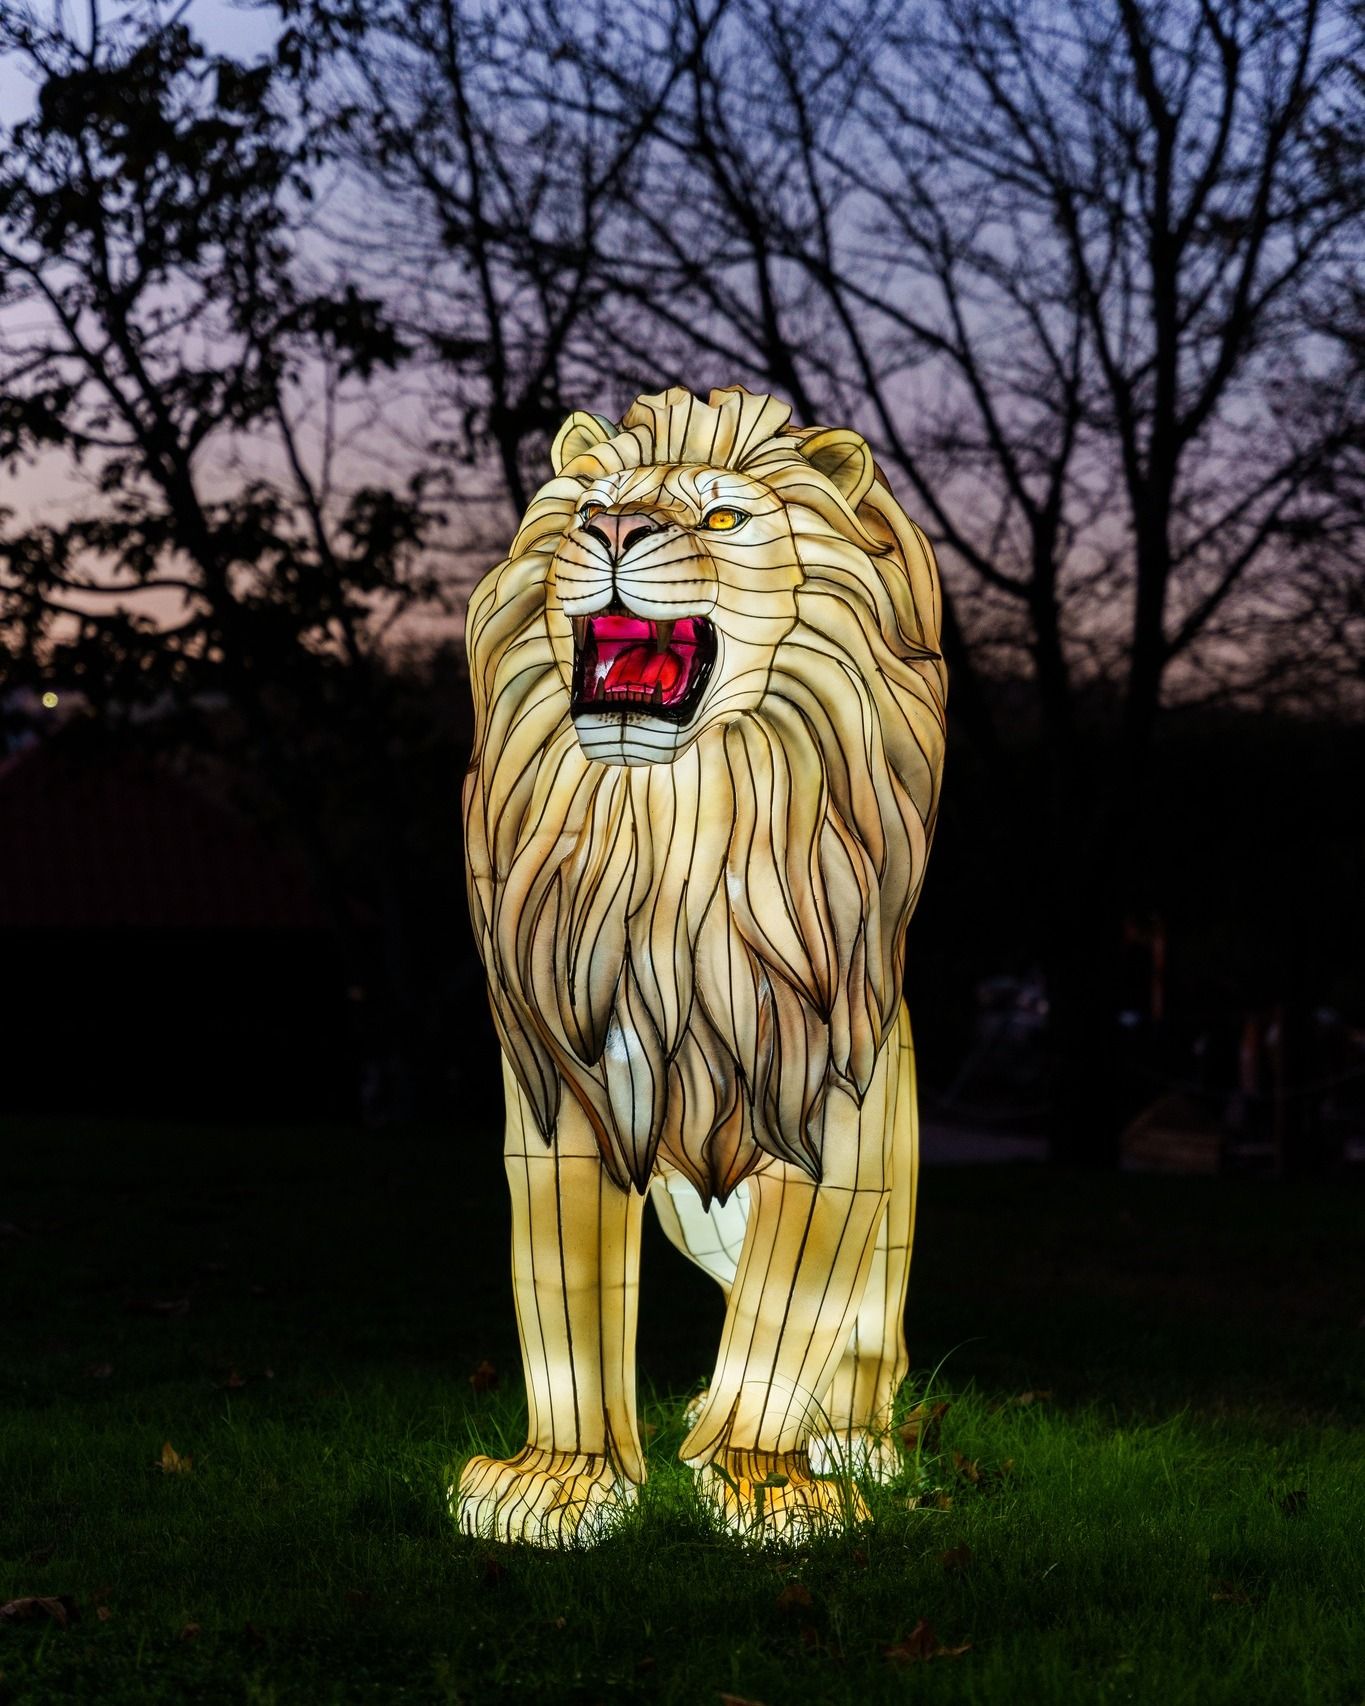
(704, 786)
(50, 701)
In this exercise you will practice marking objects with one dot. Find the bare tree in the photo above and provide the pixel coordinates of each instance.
(492, 172)
(1108, 230)
(1062, 264)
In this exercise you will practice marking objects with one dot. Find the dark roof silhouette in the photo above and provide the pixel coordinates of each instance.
(95, 835)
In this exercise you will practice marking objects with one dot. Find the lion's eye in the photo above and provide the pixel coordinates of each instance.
(723, 520)
(588, 510)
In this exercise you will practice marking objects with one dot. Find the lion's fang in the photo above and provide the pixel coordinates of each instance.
(580, 632)
(663, 636)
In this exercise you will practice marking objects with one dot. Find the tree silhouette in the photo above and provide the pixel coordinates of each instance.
(1084, 276)
(158, 341)
(1061, 263)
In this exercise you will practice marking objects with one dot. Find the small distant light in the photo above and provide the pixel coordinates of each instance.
(50, 701)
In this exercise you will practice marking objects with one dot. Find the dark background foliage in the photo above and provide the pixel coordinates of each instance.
(283, 336)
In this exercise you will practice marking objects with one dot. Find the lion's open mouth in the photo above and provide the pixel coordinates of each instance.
(627, 663)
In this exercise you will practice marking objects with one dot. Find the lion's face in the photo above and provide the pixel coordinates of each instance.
(670, 592)
(709, 725)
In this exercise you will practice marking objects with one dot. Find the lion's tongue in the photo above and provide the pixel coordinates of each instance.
(631, 665)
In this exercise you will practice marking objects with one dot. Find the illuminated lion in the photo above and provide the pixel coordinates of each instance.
(709, 735)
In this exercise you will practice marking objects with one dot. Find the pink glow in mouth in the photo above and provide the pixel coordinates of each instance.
(630, 663)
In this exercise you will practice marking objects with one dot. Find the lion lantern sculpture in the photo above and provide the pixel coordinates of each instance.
(709, 734)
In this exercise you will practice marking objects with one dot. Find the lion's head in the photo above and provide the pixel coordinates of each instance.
(709, 731)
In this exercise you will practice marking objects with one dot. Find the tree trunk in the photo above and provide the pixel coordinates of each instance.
(1082, 961)
(1082, 966)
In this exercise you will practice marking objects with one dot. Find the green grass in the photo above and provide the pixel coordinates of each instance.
(1181, 1520)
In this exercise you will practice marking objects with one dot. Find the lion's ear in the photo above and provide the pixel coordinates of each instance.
(579, 433)
(843, 458)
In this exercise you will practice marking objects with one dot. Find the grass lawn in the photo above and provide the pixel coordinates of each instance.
(1175, 1514)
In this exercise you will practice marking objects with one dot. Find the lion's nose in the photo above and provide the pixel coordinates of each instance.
(619, 532)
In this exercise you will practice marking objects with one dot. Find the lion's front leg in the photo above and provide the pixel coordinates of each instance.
(575, 1273)
(807, 1252)
(855, 1435)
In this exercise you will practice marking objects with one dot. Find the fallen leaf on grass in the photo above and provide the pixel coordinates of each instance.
(956, 1557)
(737, 1700)
(933, 1500)
(191, 1632)
(985, 1480)
(484, 1377)
(234, 1381)
(103, 1613)
(172, 1463)
(1039, 1395)
(795, 1597)
(60, 1607)
(921, 1427)
(98, 1370)
(1230, 1594)
(921, 1645)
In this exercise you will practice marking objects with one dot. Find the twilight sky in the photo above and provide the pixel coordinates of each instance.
(225, 28)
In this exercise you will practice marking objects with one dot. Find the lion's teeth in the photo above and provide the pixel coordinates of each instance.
(580, 632)
(663, 636)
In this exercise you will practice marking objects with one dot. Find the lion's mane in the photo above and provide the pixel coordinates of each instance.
(699, 949)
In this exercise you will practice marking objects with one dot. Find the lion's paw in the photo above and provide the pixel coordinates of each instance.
(542, 1498)
(775, 1500)
(868, 1456)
